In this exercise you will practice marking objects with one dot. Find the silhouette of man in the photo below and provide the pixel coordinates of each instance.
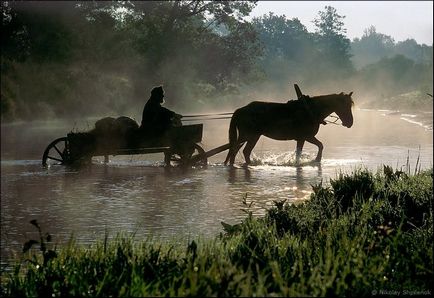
(156, 120)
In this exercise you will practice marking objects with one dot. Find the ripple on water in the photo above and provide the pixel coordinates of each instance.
(340, 162)
(423, 119)
(138, 194)
(14, 162)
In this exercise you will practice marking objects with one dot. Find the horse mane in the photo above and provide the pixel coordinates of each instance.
(333, 95)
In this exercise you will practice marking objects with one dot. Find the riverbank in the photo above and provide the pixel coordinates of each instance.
(365, 234)
(414, 101)
(413, 107)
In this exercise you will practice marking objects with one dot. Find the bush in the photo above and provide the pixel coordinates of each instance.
(363, 233)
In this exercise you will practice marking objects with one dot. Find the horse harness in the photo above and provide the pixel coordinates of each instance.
(304, 99)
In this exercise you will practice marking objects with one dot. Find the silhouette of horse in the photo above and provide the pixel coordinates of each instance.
(295, 120)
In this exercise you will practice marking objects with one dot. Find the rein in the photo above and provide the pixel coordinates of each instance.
(212, 118)
(203, 117)
(334, 121)
(304, 99)
(207, 117)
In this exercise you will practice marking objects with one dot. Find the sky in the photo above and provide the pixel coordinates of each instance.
(398, 19)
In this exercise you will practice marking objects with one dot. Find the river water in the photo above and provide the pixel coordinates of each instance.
(137, 194)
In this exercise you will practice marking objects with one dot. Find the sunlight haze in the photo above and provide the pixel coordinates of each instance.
(399, 19)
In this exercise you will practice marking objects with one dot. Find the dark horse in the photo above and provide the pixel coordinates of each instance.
(295, 120)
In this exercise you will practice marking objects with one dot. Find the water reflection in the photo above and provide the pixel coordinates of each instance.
(300, 179)
(239, 174)
(138, 194)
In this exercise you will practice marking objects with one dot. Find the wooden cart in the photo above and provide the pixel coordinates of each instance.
(180, 146)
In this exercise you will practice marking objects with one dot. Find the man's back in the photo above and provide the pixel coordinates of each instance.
(156, 119)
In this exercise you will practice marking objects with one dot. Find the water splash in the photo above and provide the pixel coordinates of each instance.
(286, 159)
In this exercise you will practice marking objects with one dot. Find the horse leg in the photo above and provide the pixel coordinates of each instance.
(315, 141)
(300, 144)
(233, 153)
(249, 147)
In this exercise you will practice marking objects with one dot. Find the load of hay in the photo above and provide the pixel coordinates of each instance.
(108, 135)
(116, 133)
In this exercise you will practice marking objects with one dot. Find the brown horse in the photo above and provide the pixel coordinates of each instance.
(295, 120)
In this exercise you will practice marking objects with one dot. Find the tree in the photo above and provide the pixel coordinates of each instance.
(334, 47)
(395, 75)
(205, 41)
(34, 30)
(371, 47)
(58, 58)
(287, 46)
(374, 46)
(411, 49)
(282, 37)
(330, 23)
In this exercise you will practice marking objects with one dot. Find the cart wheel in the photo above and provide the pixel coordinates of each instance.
(56, 152)
(196, 156)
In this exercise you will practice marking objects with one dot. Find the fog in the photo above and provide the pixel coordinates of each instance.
(66, 61)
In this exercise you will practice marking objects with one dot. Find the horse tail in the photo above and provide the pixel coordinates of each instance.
(233, 136)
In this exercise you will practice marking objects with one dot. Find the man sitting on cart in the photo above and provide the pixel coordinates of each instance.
(157, 120)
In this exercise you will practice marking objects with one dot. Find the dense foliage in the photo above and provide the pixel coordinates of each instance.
(365, 234)
(75, 59)
(64, 58)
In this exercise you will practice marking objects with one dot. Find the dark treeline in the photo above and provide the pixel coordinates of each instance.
(77, 59)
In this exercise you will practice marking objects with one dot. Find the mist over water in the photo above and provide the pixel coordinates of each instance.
(137, 194)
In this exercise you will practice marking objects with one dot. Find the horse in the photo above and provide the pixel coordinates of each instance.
(295, 120)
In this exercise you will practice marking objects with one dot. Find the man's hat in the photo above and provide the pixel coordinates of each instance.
(157, 91)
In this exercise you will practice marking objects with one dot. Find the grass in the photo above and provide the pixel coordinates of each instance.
(365, 233)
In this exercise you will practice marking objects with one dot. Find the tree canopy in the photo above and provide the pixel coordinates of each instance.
(69, 59)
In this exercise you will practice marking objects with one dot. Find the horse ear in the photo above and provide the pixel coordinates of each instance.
(341, 93)
(351, 93)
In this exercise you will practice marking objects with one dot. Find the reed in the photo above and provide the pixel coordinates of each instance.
(364, 234)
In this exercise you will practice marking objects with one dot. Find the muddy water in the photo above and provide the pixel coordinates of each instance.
(137, 194)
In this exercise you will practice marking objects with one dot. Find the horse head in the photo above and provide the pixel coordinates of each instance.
(343, 109)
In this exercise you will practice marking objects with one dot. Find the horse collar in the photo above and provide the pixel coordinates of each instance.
(305, 99)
